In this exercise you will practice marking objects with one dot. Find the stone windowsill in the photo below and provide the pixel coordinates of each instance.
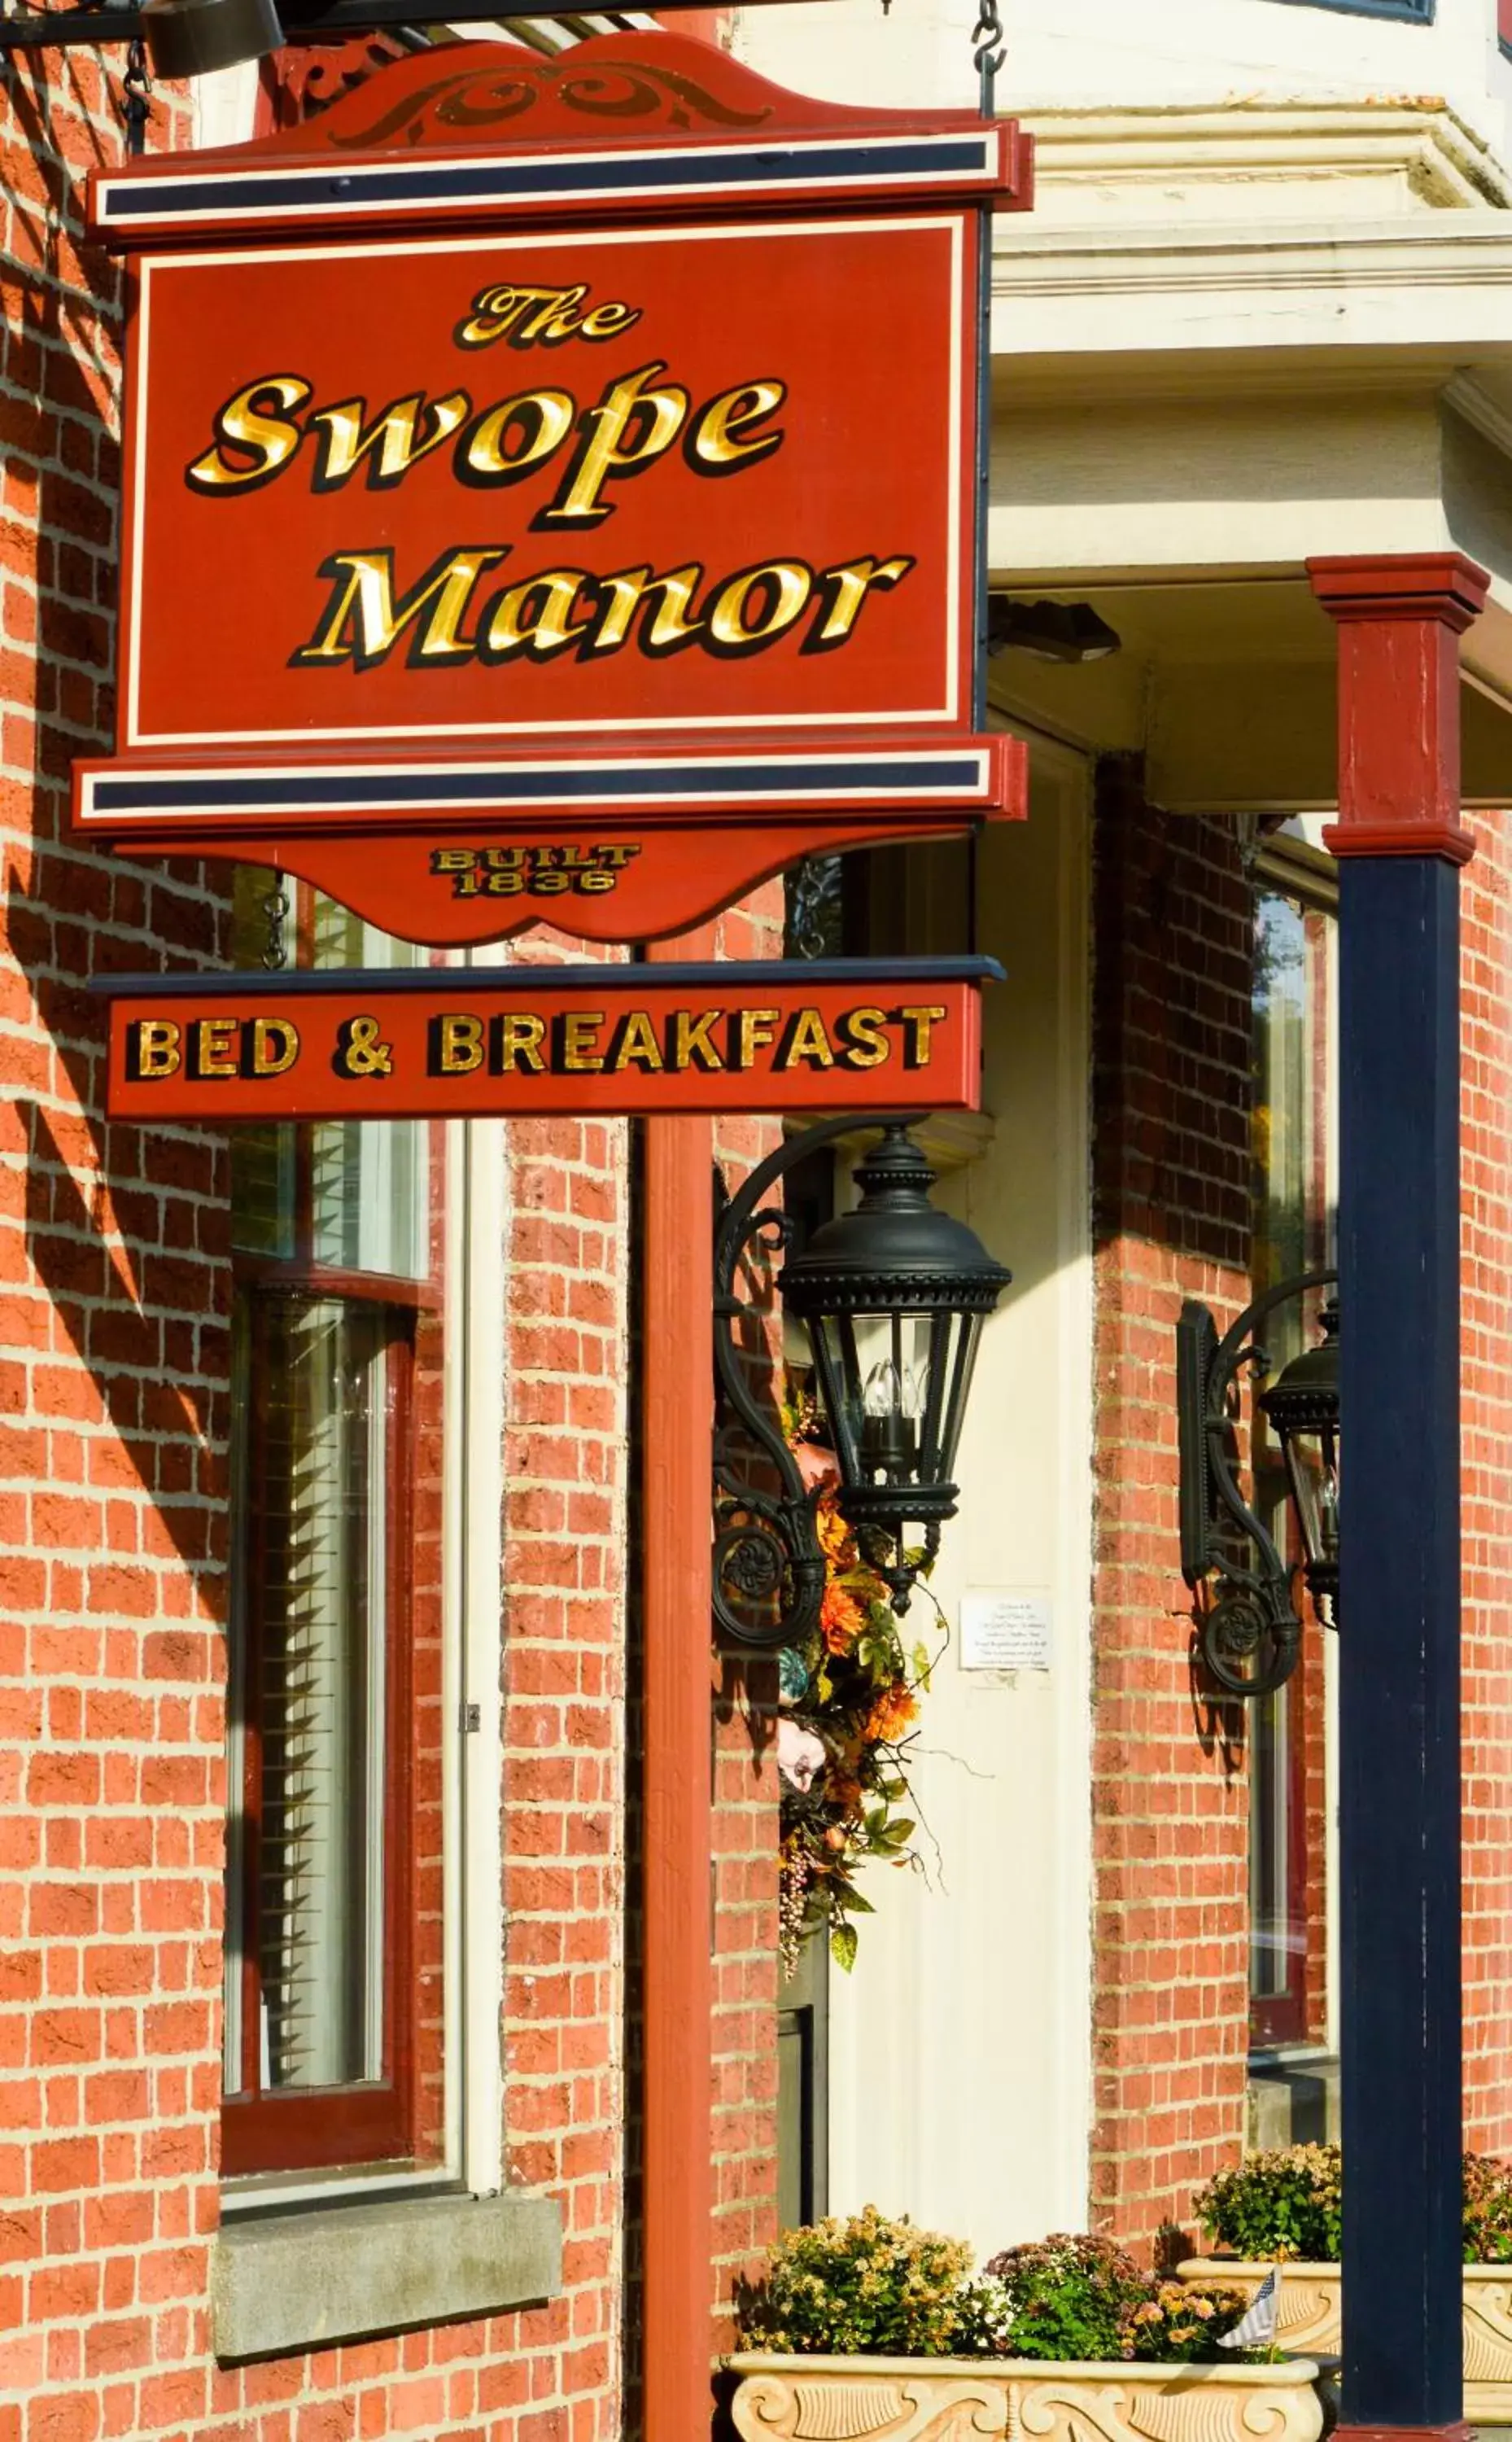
(287, 2282)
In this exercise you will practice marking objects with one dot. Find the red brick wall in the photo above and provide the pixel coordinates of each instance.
(113, 1369)
(1486, 1425)
(1171, 1186)
(746, 1992)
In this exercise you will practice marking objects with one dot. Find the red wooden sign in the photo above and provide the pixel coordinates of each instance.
(527, 440)
(461, 1043)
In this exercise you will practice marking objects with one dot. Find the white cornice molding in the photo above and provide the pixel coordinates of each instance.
(1422, 297)
(1423, 147)
(1490, 418)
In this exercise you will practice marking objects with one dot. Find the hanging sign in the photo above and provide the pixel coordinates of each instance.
(526, 441)
(469, 1042)
(719, 823)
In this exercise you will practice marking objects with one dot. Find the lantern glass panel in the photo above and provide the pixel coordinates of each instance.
(894, 1389)
(1312, 1474)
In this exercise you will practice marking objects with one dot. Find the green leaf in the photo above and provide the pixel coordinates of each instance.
(858, 1905)
(843, 1944)
(897, 1834)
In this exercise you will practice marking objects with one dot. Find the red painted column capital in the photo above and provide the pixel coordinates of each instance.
(1400, 616)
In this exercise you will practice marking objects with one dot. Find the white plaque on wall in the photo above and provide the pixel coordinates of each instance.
(1006, 1627)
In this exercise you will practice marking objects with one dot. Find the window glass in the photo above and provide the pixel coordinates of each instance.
(336, 1387)
(1292, 1225)
(310, 1644)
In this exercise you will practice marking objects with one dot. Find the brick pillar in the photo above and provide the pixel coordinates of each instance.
(1170, 1188)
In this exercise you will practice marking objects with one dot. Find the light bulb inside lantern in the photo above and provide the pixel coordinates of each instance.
(1328, 1517)
(890, 1405)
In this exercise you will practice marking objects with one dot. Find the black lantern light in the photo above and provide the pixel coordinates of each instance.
(1301, 1405)
(1248, 1632)
(892, 1296)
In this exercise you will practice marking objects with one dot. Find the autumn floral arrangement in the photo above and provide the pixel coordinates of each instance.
(871, 2285)
(1288, 2206)
(850, 1696)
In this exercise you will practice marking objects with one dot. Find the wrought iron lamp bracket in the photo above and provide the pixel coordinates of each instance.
(1253, 1605)
(766, 1545)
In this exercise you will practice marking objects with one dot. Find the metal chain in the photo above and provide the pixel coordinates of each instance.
(136, 87)
(276, 908)
(987, 52)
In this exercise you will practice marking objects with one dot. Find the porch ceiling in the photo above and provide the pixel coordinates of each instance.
(1228, 691)
(1182, 418)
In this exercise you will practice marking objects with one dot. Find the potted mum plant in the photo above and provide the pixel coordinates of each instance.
(1285, 2207)
(868, 2328)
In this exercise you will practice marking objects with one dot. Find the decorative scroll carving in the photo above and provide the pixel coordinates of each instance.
(894, 2400)
(1487, 2336)
(1311, 2317)
(301, 82)
(612, 92)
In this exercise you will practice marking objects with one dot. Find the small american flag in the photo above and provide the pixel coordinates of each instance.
(1256, 2329)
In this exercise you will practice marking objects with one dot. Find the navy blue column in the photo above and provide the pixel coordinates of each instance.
(1399, 1639)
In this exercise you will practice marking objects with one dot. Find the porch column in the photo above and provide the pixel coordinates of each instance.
(1400, 845)
(677, 1427)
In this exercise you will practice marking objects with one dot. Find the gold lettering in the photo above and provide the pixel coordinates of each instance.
(630, 427)
(754, 1029)
(549, 315)
(843, 589)
(152, 1047)
(362, 622)
(516, 1040)
(496, 312)
(604, 322)
(633, 1044)
(919, 1023)
(484, 460)
(456, 1045)
(712, 445)
(626, 589)
(275, 1045)
(536, 617)
(387, 442)
(361, 1050)
(805, 1039)
(787, 582)
(453, 859)
(577, 1030)
(863, 1038)
(214, 1051)
(271, 440)
(692, 1046)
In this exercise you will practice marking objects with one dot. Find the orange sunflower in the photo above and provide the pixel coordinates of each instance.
(893, 1712)
(841, 1618)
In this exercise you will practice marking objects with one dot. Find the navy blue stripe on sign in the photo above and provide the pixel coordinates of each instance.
(259, 793)
(463, 182)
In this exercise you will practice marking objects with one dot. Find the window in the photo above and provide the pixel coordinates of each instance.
(334, 1871)
(1503, 26)
(1293, 1232)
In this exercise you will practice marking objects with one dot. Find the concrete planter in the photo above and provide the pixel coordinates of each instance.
(1001, 2400)
(1310, 2319)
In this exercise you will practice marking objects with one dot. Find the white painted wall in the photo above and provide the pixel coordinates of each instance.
(1127, 54)
(960, 2047)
